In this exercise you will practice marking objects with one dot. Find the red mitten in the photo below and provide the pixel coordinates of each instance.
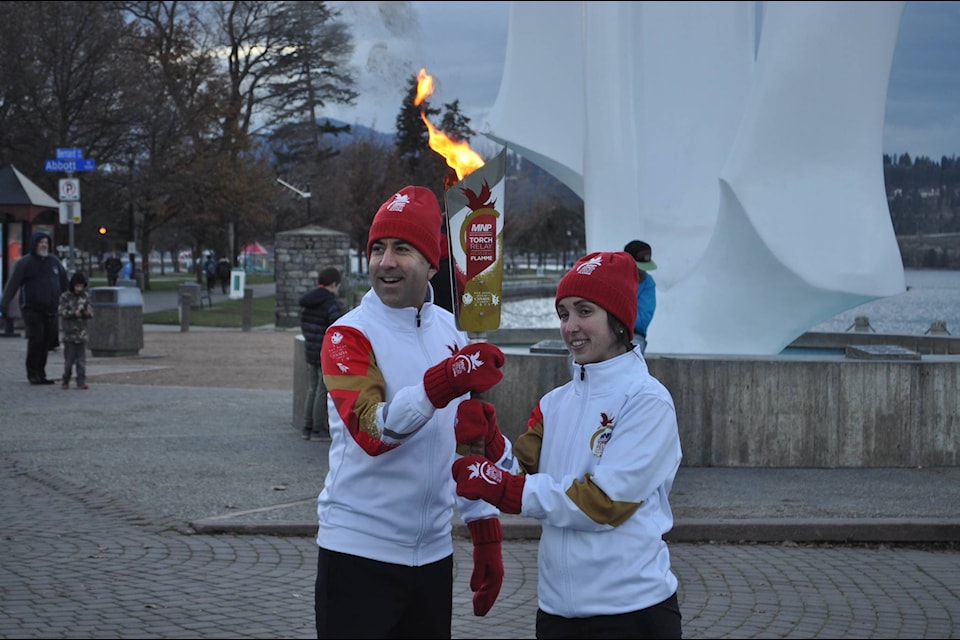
(487, 575)
(476, 367)
(479, 479)
(477, 430)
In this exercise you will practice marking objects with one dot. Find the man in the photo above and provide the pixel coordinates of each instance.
(112, 266)
(210, 270)
(41, 279)
(396, 368)
(223, 275)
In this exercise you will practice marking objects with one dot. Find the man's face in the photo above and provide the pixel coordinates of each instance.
(43, 247)
(399, 273)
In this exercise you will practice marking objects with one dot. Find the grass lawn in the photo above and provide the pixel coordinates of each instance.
(228, 313)
(223, 314)
(172, 281)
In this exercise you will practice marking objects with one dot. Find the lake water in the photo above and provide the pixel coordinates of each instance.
(930, 296)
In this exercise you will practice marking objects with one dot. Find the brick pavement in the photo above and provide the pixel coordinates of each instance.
(98, 491)
(75, 562)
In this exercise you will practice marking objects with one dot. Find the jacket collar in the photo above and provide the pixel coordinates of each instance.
(405, 318)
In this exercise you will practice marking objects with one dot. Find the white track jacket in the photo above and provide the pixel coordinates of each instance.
(601, 453)
(389, 494)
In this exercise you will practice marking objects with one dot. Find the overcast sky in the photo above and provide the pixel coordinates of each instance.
(463, 45)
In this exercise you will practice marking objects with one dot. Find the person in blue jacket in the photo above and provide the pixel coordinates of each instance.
(41, 279)
(646, 293)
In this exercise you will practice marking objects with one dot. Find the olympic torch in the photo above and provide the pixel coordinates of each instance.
(475, 215)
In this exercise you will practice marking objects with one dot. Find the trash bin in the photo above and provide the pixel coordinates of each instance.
(188, 287)
(116, 328)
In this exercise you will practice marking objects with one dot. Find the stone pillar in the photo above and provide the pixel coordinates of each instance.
(300, 256)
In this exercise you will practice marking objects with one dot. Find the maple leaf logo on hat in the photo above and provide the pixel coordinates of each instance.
(400, 200)
(589, 266)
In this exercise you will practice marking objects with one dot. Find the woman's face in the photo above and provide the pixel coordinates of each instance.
(586, 331)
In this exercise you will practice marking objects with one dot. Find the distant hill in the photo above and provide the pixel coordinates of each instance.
(357, 132)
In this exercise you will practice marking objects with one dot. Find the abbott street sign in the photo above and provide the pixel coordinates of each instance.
(84, 164)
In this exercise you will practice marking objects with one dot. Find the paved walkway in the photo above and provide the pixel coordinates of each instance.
(135, 511)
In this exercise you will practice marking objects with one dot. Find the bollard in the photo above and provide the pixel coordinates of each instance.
(247, 317)
(186, 302)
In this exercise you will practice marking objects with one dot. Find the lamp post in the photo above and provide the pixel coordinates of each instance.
(303, 194)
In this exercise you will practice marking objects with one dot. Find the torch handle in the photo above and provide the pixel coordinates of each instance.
(477, 447)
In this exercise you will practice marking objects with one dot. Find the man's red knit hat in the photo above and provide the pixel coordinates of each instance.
(412, 214)
(608, 279)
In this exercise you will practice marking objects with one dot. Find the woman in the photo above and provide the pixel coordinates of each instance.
(595, 467)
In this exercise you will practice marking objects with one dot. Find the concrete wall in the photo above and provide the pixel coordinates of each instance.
(837, 412)
(301, 381)
(777, 411)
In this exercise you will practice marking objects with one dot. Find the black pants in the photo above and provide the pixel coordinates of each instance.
(41, 333)
(659, 621)
(360, 598)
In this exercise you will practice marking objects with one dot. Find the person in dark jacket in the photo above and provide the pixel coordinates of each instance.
(223, 274)
(319, 308)
(41, 279)
(210, 270)
(113, 267)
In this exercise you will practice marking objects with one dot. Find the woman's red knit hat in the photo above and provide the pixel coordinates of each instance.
(608, 279)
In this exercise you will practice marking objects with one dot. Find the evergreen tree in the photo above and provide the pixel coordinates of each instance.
(413, 139)
(455, 124)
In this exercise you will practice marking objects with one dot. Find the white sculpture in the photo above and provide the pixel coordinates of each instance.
(752, 165)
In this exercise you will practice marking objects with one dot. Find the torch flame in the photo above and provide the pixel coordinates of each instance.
(459, 156)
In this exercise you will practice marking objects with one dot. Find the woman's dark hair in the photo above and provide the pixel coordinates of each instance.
(619, 330)
(77, 278)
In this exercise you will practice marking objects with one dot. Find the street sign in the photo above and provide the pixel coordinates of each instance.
(69, 190)
(84, 164)
(70, 154)
(70, 212)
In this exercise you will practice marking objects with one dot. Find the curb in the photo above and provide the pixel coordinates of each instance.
(841, 530)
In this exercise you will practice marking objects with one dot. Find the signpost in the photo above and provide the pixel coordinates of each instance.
(70, 160)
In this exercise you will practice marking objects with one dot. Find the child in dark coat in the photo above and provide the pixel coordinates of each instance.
(74, 311)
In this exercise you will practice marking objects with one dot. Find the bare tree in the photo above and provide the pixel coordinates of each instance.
(283, 62)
